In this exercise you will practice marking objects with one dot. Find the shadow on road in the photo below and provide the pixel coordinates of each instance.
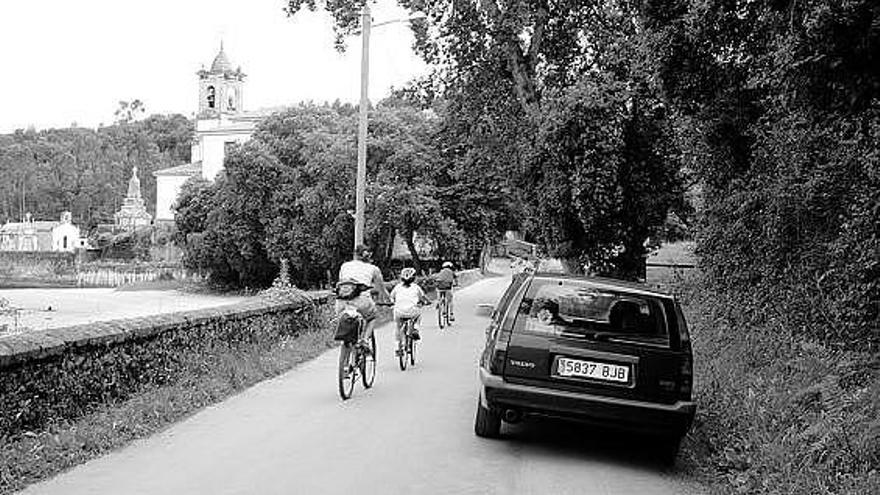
(588, 443)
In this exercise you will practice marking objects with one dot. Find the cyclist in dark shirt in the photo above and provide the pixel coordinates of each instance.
(446, 279)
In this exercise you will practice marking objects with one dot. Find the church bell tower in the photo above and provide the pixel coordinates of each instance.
(220, 88)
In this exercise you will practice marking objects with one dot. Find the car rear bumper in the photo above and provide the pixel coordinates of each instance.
(632, 415)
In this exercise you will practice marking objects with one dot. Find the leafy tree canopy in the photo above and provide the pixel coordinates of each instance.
(289, 192)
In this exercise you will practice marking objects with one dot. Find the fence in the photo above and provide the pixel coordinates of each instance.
(115, 276)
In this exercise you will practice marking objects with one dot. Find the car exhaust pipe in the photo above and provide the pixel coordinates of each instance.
(512, 416)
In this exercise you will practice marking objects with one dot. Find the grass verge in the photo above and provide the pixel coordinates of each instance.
(37, 455)
(777, 413)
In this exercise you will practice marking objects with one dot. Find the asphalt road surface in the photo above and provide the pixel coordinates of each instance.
(411, 433)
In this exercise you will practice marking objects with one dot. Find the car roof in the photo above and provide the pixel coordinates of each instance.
(610, 283)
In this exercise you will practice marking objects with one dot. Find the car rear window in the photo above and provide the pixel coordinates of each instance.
(581, 309)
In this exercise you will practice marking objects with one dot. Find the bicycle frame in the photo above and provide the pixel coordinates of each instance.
(443, 302)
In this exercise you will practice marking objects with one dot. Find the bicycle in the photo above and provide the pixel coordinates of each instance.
(443, 302)
(355, 361)
(407, 351)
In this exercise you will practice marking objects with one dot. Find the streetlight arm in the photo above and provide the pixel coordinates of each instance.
(415, 17)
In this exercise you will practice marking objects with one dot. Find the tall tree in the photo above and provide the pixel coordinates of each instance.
(505, 66)
(778, 100)
(129, 111)
(291, 190)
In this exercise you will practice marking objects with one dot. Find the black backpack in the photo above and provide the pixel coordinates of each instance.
(349, 289)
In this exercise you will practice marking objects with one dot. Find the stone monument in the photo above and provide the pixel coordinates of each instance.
(133, 213)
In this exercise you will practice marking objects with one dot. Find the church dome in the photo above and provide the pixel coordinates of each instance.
(221, 63)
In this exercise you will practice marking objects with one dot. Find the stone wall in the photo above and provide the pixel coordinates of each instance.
(63, 373)
(37, 267)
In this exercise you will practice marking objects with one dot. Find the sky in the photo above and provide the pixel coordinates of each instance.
(66, 62)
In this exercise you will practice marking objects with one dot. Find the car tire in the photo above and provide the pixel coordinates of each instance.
(487, 424)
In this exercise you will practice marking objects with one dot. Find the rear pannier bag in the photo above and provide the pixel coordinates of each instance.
(348, 290)
(347, 328)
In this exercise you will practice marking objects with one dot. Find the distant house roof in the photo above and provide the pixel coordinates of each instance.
(186, 170)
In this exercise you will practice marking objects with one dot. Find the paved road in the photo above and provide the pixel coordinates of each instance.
(411, 433)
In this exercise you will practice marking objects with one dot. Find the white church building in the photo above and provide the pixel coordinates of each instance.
(220, 122)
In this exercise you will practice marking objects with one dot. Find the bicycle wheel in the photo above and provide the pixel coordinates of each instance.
(368, 364)
(347, 374)
(401, 350)
(411, 350)
(446, 311)
(441, 302)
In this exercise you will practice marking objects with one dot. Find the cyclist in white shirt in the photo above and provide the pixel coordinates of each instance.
(407, 295)
(367, 277)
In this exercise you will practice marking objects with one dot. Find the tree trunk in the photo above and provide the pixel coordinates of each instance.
(630, 264)
(572, 266)
(417, 262)
(389, 246)
(521, 62)
(485, 256)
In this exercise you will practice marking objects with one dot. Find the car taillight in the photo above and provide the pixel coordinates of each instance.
(499, 355)
(686, 378)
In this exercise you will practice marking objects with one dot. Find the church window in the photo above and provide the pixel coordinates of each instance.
(64, 246)
(211, 94)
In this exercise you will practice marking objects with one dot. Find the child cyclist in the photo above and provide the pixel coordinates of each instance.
(407, 295)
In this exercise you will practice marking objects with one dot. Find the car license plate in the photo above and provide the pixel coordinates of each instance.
(593, 370)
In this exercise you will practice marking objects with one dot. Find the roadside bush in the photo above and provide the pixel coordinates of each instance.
(779, 412)
(800, 226)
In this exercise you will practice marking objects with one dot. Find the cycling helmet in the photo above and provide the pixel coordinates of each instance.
(408, 274)
(447, 264)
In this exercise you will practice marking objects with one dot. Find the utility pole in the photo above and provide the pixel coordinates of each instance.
(361, 186)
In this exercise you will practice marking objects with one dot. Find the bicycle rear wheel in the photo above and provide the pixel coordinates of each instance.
(448, 309)
(347, 374)
(401, 350)
(368, 364)
(441, 303)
